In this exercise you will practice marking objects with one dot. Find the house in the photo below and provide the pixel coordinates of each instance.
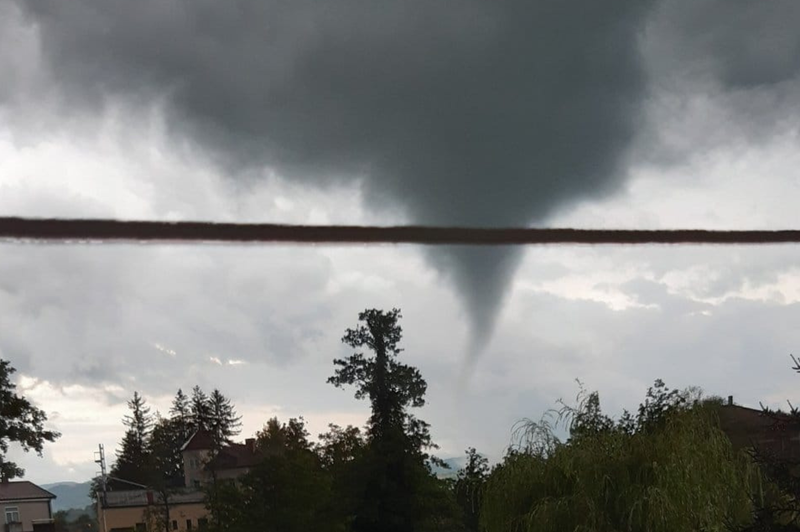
(232, 461)
(142, 509)
(776, 434)
(145, 510)
(26, 507)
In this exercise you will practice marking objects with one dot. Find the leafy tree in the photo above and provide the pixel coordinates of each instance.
(133, 459)
(60, 521)
(20, 422)
(469, 487)
(287, 491)
(340, 446)
(777, 508)
(166, 461)
(390, 386)
(165, 467)
(216, 415)
(669, 468)
(395, 472)
(81, 523)
(223, 422)
(84, 523)
(342, 454)
(277, 438)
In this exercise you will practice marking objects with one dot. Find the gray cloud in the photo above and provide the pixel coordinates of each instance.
(744, 44)
(468, 113)
(96, 316)
(722, 73)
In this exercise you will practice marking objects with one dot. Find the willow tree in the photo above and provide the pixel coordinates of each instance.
(668, 468)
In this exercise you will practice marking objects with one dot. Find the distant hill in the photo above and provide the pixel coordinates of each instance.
(70, 495)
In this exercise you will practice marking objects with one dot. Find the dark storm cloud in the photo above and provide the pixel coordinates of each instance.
(467, 113)
(744, 43)
(723, 73)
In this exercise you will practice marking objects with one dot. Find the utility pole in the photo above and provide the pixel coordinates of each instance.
(100, 458)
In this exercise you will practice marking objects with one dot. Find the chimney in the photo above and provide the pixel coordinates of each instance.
(251, 444)
(730, 400)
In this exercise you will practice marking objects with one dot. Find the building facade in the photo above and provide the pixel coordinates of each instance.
(26, 507)
(137, 510)
(145, 510)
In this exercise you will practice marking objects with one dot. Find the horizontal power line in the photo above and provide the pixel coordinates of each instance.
(59, 230)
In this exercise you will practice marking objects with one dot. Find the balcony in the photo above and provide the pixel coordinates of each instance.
(43, 525)
(13, 527)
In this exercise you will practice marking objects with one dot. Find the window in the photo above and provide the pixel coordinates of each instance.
(188, 524)
(12, 514)
(174, 524)
(202, 523)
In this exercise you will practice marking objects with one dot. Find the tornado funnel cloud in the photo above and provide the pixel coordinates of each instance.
(461, 113)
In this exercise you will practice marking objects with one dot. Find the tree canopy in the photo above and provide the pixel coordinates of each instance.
(133, 457)
(150, 451)
(223, 422)
(20, 422)
(668, 468)
(397, 483)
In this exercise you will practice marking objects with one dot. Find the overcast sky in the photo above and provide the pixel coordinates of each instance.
(632, 114)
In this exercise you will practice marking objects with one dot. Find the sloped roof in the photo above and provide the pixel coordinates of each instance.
(22, 490)
(232, 455)
(199, 441)
(748, 427)
(235, 455)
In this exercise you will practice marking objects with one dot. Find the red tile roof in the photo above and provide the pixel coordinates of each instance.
(22, 490)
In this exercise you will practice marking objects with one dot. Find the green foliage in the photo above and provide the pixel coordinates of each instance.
(277, 438)
(777, 506)
(342, 453)
(63, 522)
(397, 485)
(139, 421)
(180, 413)
(668, 468)
(150, 451)
(223, 422)
(133, 457)
(339, 447)
(469, 488)
(200, 410)
(165, 458)
(20, 422)
(390, 386)
(289, 490)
